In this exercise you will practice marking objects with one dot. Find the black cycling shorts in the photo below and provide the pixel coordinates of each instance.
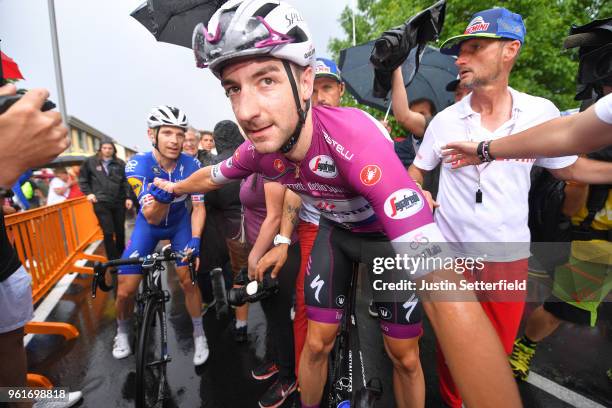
(329, 273)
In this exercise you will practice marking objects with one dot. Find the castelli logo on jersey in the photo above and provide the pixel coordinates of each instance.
(323, 166)
(476, 25)
(403, 204)
(279, 165)
(370, 175)
(237, 154)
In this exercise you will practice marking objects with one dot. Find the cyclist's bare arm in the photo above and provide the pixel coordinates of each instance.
(471, 347)
(154, 211)
(278, 255)
(198, 182)
(198, 218)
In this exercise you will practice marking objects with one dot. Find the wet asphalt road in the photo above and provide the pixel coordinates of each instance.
(575, 357)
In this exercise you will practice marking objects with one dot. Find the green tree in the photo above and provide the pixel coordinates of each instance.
(542, 69)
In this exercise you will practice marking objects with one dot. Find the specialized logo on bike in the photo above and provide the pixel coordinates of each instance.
(340, 300)
(136, 183)
(403, 204)
(279, 165)
(323, 166)
(370, 175)
(384, 313)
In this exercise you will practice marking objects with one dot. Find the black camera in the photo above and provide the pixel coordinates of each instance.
(7, 101)
(252, 291)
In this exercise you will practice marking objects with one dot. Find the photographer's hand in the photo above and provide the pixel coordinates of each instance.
(30, 137)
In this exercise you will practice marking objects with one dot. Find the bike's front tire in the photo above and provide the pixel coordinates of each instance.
(151, 357)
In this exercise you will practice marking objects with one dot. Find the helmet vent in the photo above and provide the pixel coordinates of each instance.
(264, 10)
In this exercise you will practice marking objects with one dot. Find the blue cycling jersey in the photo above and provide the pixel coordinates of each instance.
(140, 171)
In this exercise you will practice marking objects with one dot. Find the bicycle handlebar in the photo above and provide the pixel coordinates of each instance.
(147, 262)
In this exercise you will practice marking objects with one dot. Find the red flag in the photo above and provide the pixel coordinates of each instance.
(10, 70)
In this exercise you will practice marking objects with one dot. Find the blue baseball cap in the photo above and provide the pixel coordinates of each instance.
(327, 68)
(493, 23)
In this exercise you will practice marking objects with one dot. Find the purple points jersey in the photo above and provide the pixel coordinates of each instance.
(350, 173)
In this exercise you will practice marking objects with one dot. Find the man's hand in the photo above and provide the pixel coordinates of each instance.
(461, 154)
(128, 203)
(192, 249)
(160, 194)
(276, 257)
(92, 198)
(29, 137)
(432, 203)
(164, 184)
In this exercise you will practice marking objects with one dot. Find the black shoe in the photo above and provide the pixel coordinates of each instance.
(372, 310)
(240, 335)
(264, 371)
(277, 393)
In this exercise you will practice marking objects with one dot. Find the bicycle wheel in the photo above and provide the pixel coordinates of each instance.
(151, 358)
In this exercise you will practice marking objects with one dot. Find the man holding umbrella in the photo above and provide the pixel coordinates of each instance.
(488, 203)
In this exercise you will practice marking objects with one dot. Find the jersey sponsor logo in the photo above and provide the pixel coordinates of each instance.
(403, 203)
(317, 283)
(370, 175)
(279, 165)
(237, 154)
(340, 300)
(181, 170)
(476, 25)
(344, 152)
(323, 166)
(384, 313)
(325, 206)
(136, 183)
(229, 162)
(156, 170)
(131, 166)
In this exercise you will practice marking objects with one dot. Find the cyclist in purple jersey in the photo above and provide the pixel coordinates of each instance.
(338, 160)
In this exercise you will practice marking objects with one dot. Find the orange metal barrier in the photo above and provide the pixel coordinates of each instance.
(49, 241)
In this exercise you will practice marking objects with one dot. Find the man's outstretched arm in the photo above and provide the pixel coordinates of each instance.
(198, 182)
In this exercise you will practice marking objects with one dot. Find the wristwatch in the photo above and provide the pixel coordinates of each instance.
(279, 239)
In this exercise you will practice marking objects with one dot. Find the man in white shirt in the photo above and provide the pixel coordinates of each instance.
(59, 187)
(488, 204)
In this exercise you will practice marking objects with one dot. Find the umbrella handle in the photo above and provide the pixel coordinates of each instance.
(388, 110)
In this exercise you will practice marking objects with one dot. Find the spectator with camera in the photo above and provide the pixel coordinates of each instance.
(102, 179)
(30, 138)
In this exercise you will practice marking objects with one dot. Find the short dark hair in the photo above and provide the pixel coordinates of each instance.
(432, 106)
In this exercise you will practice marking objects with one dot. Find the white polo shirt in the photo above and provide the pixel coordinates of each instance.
(502, 215)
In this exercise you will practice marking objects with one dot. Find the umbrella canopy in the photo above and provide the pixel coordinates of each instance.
(173, 21)
(435, 71)
(10, 70)
(67, 159)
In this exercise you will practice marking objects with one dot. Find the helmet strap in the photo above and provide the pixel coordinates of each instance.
(302, 113)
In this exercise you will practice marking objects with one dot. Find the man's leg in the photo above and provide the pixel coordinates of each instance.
(119, 227)
(239, 258)
(14, 364)
(408, 379)
(106, 221)
(541, 324)
(313, 363)
(193, 299)
(307, 233)
(127, 286)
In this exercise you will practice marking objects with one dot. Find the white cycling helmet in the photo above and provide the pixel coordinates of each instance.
(164, 115)
(244, 28)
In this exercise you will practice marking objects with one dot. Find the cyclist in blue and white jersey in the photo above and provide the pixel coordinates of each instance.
(162, 216)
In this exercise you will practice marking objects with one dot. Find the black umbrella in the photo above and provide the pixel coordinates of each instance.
(435, 71)
(173, 21)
